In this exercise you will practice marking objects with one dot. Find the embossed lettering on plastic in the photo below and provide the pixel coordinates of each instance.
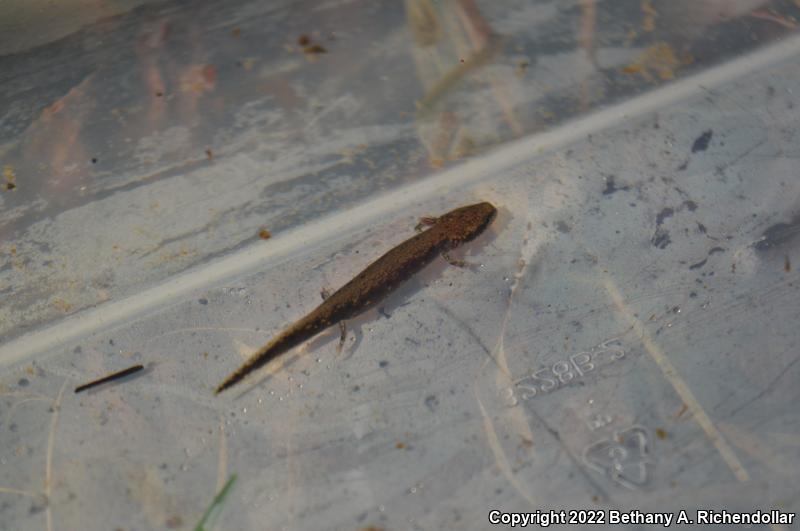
(559, 374)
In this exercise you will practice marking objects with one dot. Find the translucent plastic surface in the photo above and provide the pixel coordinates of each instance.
(181, 181)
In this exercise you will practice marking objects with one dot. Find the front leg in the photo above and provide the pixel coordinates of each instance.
(429, 221)
(453, 261)
(425, 221)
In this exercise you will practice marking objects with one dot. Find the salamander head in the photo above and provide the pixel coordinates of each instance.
(465, 223)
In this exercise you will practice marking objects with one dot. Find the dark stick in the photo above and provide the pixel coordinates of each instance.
(111, 377)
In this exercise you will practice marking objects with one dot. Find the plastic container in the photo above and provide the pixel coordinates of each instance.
(182, 180)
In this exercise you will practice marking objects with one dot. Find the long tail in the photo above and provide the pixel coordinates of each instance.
(260, 358)
(302, 330)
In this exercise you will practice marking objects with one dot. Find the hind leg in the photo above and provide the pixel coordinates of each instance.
(342, 336)
(342, 326)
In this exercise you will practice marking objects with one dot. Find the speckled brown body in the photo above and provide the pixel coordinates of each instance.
(373, 284)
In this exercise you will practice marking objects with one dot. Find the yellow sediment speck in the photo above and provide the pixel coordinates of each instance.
(650, 15)
(62, 305)
(659, 60)
(10, 177)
